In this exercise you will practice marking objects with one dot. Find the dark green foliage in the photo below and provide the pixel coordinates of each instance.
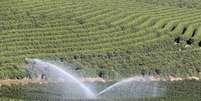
(175, 91)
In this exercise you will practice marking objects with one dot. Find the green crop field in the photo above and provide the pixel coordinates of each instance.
(120, 35)
(120, 38)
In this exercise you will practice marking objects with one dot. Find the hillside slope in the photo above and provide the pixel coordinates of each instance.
(125, 37)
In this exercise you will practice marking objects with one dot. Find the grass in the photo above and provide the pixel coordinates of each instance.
(188, 90)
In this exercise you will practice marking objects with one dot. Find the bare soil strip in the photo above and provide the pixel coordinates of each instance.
(10, 82)
(25, 81)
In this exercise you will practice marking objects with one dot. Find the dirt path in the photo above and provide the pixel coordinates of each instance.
(173, 78)
(9, 82)
(38, 81)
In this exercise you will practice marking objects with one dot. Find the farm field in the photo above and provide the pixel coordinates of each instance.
(110, 39)
(119, 35)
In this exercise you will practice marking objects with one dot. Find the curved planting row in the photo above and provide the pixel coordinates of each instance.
(69, 29)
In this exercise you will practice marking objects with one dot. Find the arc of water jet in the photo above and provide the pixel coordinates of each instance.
(120, 83)
(41, 63)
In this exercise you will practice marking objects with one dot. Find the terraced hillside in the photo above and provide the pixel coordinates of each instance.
(126, 37)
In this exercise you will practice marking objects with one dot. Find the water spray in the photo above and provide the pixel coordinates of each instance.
(137, 78)
(40, 64)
